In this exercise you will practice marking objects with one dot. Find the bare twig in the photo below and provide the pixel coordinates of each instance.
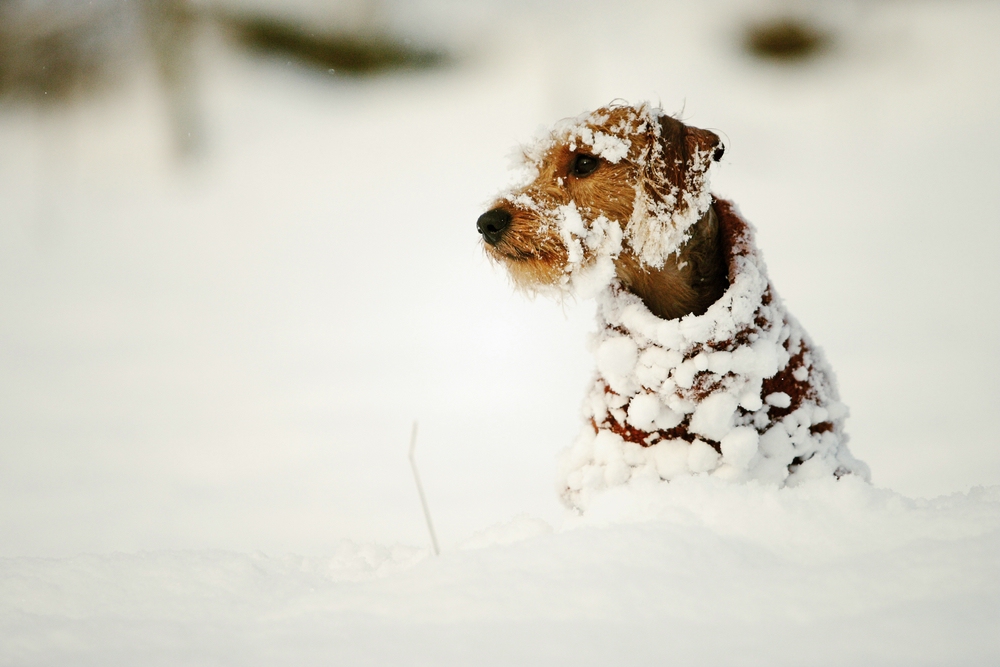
(420, 490)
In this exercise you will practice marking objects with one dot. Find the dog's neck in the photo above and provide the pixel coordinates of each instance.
(689, 281)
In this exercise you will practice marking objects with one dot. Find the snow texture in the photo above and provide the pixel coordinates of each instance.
(697, 572)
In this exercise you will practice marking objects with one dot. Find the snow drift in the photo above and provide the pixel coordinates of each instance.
(699, 571)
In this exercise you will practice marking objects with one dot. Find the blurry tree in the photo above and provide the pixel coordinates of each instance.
(54, 49)
(57, 51)
(344, 37)
(787, 30)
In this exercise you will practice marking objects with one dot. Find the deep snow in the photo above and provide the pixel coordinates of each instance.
(225, 357)
(696, 572)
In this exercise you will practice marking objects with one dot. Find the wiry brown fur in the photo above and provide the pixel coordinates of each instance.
(689, 281)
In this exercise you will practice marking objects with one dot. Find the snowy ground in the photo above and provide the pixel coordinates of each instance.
(821, 575)
(200, 362)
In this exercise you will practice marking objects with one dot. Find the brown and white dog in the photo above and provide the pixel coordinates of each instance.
(700, 369)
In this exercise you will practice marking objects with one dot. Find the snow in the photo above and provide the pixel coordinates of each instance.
(210, 368)
(701, 457)
(780, 399)
(739, 446)
(591, 250)
(696, 572)
(616, 357)
(713, 417)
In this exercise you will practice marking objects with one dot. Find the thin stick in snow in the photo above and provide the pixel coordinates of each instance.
(420, 490)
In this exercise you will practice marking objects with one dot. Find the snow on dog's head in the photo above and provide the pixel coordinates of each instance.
(620, 181)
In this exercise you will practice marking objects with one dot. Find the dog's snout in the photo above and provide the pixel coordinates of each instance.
(492, 224)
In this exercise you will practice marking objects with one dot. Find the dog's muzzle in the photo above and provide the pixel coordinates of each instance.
(492, 224)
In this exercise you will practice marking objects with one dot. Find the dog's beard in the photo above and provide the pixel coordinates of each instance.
(591, 251)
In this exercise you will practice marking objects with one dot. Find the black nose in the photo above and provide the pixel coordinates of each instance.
(492, 224)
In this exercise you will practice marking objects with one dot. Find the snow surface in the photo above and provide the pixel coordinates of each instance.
(697, 572)
(202, 362)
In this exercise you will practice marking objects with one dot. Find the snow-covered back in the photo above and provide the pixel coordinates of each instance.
(739, 392)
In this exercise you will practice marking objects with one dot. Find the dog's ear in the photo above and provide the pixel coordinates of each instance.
(680, 155)
(680, 144)
(702, 140)
(669, 157)
(673, 188)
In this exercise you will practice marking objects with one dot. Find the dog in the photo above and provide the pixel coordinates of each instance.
(700, 369)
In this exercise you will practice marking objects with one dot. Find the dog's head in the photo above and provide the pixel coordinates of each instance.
(621, 180)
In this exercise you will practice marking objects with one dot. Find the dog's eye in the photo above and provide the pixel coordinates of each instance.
(584, 165)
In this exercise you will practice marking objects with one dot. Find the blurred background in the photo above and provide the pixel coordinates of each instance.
(238, 253)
